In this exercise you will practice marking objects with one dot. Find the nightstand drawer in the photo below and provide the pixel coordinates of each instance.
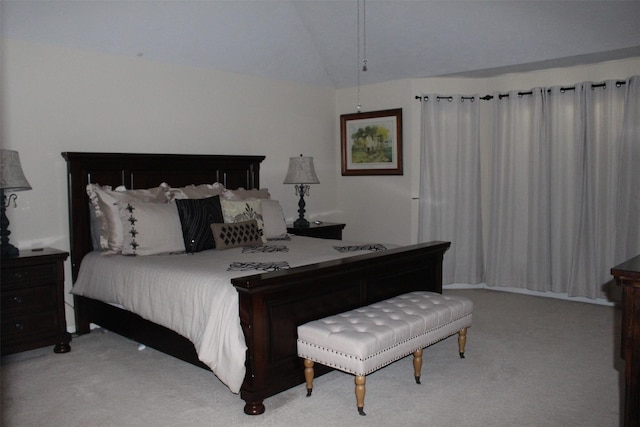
(28, 299)
(19, 327)
(33, 275)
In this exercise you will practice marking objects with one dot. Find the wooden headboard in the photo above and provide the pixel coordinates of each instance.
(136, 171)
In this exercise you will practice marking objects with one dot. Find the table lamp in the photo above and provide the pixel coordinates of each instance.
(301, 173)
(11, 179)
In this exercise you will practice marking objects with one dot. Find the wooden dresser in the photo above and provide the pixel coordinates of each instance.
(33, 313)
(627, 275)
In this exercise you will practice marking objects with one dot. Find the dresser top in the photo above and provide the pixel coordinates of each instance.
(629, 268)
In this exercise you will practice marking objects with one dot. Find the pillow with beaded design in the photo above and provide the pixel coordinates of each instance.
(236, 234)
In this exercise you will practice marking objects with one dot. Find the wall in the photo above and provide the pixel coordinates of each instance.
(56, 99)
(384, 208)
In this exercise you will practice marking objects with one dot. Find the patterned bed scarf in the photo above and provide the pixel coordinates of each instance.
(254, 249)
(262, 266)
(282, 265)
(373, 247)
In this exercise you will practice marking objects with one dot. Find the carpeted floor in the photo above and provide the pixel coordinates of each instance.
(531, 361)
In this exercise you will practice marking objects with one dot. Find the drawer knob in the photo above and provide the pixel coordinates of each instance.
(19, 327)
(17, 300)
(18, 275)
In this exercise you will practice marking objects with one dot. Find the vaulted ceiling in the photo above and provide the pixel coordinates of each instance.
(316, 42)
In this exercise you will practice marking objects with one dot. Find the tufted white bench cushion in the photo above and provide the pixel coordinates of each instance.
(365, 339)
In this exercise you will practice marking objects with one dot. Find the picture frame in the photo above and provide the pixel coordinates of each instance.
(371, 143)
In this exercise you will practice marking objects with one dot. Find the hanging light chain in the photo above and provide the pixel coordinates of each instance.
(364, 35)
(364, 45)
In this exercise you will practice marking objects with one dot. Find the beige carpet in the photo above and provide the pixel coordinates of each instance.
(531, 361)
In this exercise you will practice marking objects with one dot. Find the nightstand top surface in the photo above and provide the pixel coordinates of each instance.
(322, 224)
(28, 253)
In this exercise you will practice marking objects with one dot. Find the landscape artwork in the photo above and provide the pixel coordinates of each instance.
(372, 143)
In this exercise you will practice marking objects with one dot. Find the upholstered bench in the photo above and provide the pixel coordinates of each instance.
(366, 339)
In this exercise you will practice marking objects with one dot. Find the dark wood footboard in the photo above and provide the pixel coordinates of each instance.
(273, 305)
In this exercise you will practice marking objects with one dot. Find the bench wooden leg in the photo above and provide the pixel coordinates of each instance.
(308, 375)
(462, 341)
(360, 391)
(417, 365)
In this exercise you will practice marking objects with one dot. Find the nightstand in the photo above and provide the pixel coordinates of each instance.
(324, 230)
(33, 313)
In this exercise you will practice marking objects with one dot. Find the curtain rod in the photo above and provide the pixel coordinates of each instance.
(446, 98)
(506, 95)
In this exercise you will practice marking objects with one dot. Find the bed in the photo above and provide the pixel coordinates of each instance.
(271, 304)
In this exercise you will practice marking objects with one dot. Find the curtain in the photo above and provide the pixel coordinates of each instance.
(628, 200)
(564, 186)
(565, 168)
(449, 206)
(519, 227)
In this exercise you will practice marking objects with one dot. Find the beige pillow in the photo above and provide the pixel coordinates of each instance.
(233, 235)
(243, 210)
(201, 191)
(150, 228)
(275, 226)
(242, 194)
(105, 204)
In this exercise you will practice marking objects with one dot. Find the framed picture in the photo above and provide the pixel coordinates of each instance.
(372, 143)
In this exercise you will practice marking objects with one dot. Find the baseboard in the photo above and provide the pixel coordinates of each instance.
(556, 295)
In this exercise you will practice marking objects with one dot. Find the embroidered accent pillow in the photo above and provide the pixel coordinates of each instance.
(196, 216)
(104, 201)
(243, 210)
(150, 228)
(235, 234)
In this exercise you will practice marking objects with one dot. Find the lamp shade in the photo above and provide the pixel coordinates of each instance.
(301, 171)
(11, 175)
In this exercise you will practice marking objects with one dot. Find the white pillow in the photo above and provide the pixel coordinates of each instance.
(242, 194)
(243, 210)
(201, 191)
(150, 228)
(104, 201)
(275, 226)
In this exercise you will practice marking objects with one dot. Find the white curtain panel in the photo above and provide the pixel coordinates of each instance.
(628, 191)
(519, 224)
(564, 189)
(449, 207)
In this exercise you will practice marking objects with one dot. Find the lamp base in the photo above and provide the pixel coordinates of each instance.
(7, 250)
(301, 223)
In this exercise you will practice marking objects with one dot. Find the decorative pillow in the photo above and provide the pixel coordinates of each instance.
(104, 201)
(242, 194)
(96, 225)
(232, 235)
(201, 191)
(196, 216)
(275, 226)
(238, 211)
(150, 228)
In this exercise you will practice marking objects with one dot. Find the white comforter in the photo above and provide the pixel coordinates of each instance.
(193, 295)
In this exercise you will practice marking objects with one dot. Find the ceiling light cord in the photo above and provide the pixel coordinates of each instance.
(364, 45)
(364, 35)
